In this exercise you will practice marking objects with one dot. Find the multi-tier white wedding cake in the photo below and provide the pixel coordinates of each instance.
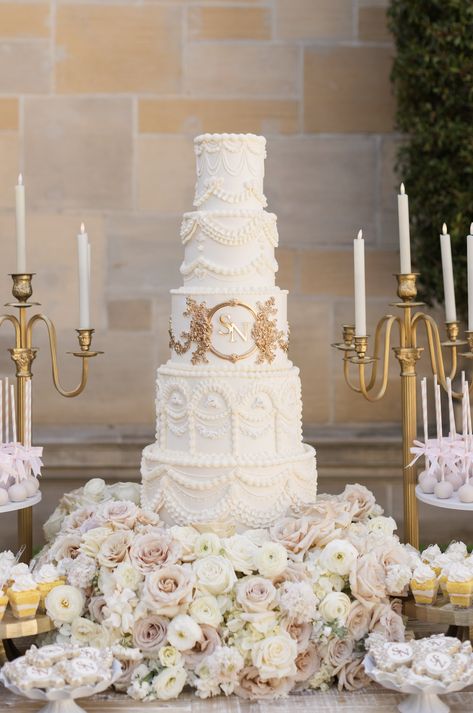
(229, 436)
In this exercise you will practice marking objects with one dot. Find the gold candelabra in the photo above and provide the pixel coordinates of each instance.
(355, 349)
(23, 355)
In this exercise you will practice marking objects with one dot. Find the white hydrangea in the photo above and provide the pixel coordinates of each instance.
(298, 601)
(219, 672)
(81, 571)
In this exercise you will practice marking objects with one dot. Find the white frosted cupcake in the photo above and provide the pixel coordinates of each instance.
(460, 585)
(430, 553)
(456, 551)
(24, 596)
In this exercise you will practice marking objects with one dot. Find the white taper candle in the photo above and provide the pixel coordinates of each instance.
(83, 255)
(404, 236)
(447, 268)
(469, 251)
(20, 226)
(360, 290)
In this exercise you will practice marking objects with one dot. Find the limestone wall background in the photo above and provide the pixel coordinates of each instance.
(99, 102)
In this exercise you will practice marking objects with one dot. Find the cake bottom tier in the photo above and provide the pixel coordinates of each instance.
(249, 495)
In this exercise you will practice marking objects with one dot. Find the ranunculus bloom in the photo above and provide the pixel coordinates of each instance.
(367, 580)
(153, 550)
(335, 607)
(169, 683)
(169, 589)
(252, 687)
(206, 645)
(115, 548)
(352, 676)
(149, 633)
(271, 559)
(255, 594)
(338, 557)
(64, 604)
(184, 632)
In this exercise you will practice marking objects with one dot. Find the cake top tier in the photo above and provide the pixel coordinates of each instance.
(230, 171)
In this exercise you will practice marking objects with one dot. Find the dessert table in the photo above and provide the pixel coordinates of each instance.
(374, 698)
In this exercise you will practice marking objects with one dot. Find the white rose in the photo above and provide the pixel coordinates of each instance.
(64, 604)
(207, 544)
(275, 656)
(258, 536)
(186, 536)
(262, 622)
(170, 656)
(84, 631)
(126, 491)
(214, 574)
(206, 610)
(183, 632)
(241, 552)
(127, 577)
(382, 526)
(335, 607)
(95, 490)
(338, 557)
(169, 683)
(92, 540)
(271, 559)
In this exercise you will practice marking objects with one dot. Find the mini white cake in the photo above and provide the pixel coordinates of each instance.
(229, 411)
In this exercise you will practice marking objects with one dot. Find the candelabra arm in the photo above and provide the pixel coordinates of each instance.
(16, 324)
(53, 350)
(435, 350)
(387, 321)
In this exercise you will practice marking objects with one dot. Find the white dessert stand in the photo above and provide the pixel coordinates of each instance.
(63, 701)
(420, 699)
(452, 503)
(28, 503)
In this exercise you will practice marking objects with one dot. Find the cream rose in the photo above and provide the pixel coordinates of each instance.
(169, 683)
(95, 490)
(255, 594)
(271, 559)
(186, 536)
(121, 514)
(115, 548)
(184, 632)
(252, 687)
(153, 550)
(339, 557)
(358, 621)
(335, 607)
(275, 656)
(64, 604)
(92, 540)
(168, 591)
(206, 610)
(214, 574)
(361, 498)
(297, 535)
(367, 580)
(241, 552)
(150, 633)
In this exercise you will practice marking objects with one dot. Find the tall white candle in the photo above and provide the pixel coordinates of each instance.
(84, 301)
(469, 250)
(20, 226)
(447, 267)
(404, 236)
(360, 294)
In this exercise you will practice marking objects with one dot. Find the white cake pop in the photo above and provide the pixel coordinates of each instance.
(443, 490)
(17, 493)
(427, 482)
(455, 479)
(4, 499)
(465, 493)
(31, 483)
(30, 486)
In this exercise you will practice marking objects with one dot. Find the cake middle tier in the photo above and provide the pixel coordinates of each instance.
(222, 327)
(229, 413)
(229, 247)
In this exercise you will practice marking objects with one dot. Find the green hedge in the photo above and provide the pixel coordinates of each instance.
(433, 81)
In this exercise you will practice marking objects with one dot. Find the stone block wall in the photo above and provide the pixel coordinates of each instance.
(99, 102)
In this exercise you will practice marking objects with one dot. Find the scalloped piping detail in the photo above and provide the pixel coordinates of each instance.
(182, 459)
(214, 187)
(258, 225)
(232, 154)
(202, 266)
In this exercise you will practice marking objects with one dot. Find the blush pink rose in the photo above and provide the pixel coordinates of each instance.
(388, 622)
(154, 549)
(168, 590)
(206, 646)
(367, 580)
(362, 500)
(149, 633)
(300, 633)
(352, 676)
(297, 535)
(255, 594)
(251, 687)
(358, 621)
(307, 663)
(121, 514)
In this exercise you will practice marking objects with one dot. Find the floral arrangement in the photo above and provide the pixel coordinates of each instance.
(257, 614)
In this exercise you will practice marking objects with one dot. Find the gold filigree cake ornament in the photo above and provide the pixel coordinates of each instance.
(265, 334)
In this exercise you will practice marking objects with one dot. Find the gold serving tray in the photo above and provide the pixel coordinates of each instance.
(11, 628)
(442, 612)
